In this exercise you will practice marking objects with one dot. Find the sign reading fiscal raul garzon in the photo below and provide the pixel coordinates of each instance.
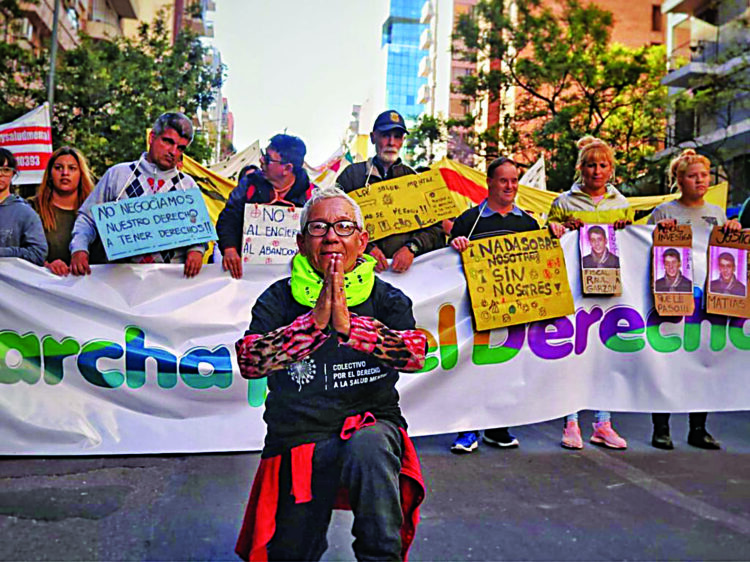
(516, 278)
(152, 223)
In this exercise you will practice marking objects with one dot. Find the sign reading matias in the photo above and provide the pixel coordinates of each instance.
(405, 204)
(728, 273)
(516, 278)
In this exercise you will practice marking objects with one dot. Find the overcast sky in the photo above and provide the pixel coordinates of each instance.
(299, 65)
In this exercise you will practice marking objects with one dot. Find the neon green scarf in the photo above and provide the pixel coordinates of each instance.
(307, 283)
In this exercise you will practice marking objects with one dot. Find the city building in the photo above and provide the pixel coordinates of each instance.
(442, 68)
(400, 42)
(35, 28)
(708, 43)
(636, 23)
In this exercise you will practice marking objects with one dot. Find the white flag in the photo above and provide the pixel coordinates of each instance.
(535, 176)
(29, 138)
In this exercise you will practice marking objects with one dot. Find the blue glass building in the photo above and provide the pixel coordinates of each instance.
(401, 33)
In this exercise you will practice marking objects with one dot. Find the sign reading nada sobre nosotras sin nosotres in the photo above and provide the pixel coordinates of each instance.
(516, 278)
(153, 223)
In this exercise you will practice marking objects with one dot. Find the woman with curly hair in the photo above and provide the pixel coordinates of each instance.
(65, 185)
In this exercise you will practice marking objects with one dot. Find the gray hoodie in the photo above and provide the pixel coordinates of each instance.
(21, 231)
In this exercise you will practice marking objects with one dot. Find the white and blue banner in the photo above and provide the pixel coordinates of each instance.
(138, 359)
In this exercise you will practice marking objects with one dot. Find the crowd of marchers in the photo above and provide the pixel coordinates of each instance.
(332, 427)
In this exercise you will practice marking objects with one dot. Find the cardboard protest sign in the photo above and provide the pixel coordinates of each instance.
(516, 278)
(600, 260)
(672, 271)
(727, 282)
(269, 234)
(152, 223)
(407, 203)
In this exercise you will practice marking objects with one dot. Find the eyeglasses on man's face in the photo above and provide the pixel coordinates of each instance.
(268, 159)
(6, 171)
(343, 228)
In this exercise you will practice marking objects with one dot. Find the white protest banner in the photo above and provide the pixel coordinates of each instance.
(136, 359)
(269, 234)
(151, 223)
(535, 176)
(29, 138)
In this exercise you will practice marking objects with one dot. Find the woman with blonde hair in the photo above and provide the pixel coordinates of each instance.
(65, 185)
(689, 172)
(592, 199)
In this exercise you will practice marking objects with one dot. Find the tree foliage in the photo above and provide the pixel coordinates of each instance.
(553, 75)
(717, 99)
(108, 93)
(421, 143)
(22, 70)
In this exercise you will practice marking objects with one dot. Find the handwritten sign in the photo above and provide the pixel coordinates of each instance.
(269, 234)
(672, 271)
(600, 260)
(406, 204)
(516, 278)
(152, 223)
(728, 274)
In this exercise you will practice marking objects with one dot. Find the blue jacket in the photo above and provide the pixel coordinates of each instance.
(21, 231)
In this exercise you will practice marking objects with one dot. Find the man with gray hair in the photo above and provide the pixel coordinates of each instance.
(154, 172)
(331, 339)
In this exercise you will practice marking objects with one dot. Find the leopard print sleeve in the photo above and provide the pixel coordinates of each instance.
(260, 354)
(404, 350)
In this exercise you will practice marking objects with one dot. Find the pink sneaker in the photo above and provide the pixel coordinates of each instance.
(604, 434)
(571, 438)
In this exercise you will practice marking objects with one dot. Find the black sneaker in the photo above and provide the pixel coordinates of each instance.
(699, 437)
(661, 439)
(500, 437)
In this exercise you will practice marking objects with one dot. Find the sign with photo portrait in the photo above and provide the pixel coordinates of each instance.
(726, 285)
(672, 271)
(516, 278)
(600, 260)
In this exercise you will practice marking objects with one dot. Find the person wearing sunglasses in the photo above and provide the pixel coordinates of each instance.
(388, 133)
(21, 232)
(282, 180)
(332, 339)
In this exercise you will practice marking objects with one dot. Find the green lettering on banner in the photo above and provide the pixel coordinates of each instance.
(737, 335)
(220, 362)
(89, 357)
(54, 354)
(658, 341)
(620, 321)
(28, 367)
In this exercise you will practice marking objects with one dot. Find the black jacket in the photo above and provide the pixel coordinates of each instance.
(254, 188)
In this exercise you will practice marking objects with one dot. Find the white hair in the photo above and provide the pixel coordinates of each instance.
(320, 194)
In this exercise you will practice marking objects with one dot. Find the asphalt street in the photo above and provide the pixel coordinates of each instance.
(538, 502)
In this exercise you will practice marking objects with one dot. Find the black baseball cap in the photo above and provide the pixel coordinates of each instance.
(389, 120)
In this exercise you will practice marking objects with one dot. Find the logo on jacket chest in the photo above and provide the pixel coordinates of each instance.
(302, 372)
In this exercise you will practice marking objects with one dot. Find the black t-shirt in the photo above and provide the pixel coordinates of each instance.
(309, 400)
(494, 225)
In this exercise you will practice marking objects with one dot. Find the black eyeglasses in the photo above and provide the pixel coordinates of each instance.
(318, 229)
(268, 160)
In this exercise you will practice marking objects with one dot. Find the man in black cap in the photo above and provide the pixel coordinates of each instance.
(388, 136)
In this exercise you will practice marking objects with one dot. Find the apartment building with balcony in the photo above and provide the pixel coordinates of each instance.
(635, 24)
(708, 43)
